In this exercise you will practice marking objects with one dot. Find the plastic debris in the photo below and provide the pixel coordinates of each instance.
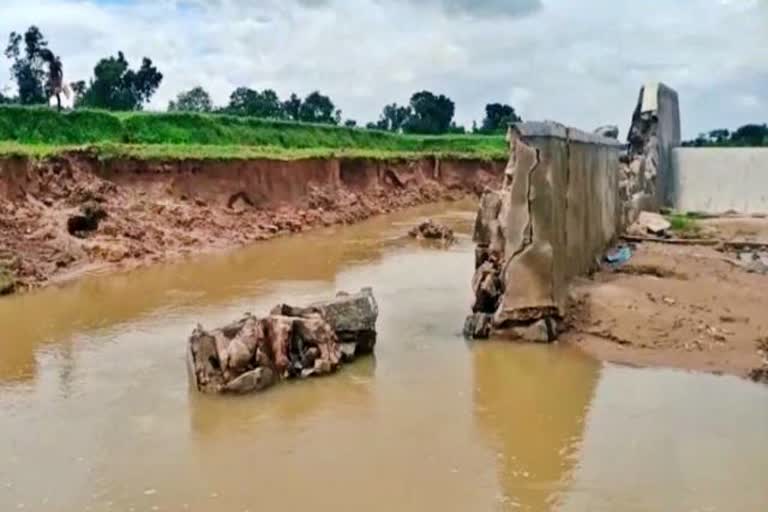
(619, 255)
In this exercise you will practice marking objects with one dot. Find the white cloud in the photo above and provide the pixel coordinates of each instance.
(579, 63)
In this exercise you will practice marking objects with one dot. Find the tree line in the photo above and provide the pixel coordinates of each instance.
(39, 76)
(749, 135)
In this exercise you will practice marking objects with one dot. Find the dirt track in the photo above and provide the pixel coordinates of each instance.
(162, 210)
(678, 306)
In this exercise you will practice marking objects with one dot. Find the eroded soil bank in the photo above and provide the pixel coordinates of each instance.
(145, 211)
(681, 306)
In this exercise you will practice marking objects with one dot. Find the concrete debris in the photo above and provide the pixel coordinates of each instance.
(539, 331)
(644, 172)
(610, 131)
(478, 326)
(351, 316)
(754, 262)
(252, 354)
(650, 223)
(430, 230)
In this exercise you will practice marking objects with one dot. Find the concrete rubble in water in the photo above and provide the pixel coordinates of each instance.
(253, 353)
(430, 230)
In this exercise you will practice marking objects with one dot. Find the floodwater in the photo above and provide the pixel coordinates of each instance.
(96, 413)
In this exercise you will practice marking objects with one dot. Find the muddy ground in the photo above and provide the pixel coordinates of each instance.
(682, 306)
(151, 211)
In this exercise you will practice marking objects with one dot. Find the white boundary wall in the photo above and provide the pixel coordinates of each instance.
(717, 180)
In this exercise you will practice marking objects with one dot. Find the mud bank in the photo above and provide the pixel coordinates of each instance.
(148, 211)
(680, 306)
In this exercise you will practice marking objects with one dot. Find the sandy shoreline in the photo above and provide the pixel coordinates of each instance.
(677, 306)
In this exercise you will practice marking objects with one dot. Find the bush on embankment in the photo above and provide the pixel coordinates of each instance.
(44, 127)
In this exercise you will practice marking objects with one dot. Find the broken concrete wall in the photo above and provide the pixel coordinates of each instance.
(556, 213)
(648, 180)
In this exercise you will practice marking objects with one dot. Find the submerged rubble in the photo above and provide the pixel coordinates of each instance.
(430, 230)
(253, 354)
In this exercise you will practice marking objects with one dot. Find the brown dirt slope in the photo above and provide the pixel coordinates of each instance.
(157, 210)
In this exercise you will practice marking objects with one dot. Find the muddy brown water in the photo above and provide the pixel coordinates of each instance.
(96, 413)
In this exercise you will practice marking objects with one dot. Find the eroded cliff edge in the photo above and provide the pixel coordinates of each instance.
(65, 215)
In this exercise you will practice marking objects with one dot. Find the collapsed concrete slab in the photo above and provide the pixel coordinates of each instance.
(253, 354)
(647, 180)
(430, 230)
(556, 213)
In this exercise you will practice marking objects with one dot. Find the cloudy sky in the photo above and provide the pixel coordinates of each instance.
(578, 62)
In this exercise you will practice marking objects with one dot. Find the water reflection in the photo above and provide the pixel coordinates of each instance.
(290, 404)
(531, 402)
(672, 440)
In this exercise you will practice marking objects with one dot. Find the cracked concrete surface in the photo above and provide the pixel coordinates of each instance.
(558, 206)
(566, 197)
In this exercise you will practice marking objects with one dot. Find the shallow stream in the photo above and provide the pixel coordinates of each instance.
(96, 413)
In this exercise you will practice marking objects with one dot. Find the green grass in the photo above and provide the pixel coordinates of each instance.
(684, 224)
(41, 132)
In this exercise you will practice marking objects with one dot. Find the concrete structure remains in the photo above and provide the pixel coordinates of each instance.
(648, 176)
(719, 180)
(567, 196)
(556, 212)
(253, 354)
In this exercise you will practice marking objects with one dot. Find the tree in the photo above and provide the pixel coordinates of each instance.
(28, 66)
(350, 123)
(247, 102)
(196, 99)
(750, 135)
(117, 87)
(498, 117)
(318, 108)
(721, 135)
(292, 107)
(393, 117)
(430, 114)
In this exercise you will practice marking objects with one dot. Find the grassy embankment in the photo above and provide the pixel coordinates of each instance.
(40, 132)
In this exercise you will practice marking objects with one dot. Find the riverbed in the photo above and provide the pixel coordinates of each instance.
(97, 415)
